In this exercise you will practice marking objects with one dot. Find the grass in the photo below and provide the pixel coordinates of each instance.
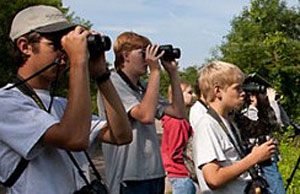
(290, 153)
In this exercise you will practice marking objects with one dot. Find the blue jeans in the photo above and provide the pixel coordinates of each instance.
(152, 186)
(183, 185)
(273, 177)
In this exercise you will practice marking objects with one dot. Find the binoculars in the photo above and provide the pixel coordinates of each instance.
(98, 44)
(170, 53)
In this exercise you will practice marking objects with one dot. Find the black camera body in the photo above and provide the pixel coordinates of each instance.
(260, 140)
(254, 83)
(98, 43)
(253, 87)
(170, 53)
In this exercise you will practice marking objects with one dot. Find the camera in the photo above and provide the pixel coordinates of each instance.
(170, 53)
(98, 43)
(260, 140)
(96, 187)
(254, 88)
(254, 83)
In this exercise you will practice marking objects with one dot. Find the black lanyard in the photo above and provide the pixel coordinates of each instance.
(28, 91)
(199, 100)
(139, 88)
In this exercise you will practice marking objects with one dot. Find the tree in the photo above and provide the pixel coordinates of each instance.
(188, 74)
(265, 38)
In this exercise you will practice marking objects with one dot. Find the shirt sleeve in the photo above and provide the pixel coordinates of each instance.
(127, 96)
(208, 144)
(23, 123)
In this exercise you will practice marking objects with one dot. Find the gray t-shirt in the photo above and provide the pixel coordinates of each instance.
(22, 124)
(139, 160)
(211, 143)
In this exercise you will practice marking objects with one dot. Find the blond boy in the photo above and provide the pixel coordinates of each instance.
(222, 170)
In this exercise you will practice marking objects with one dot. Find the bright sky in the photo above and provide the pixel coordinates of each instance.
(195, 26)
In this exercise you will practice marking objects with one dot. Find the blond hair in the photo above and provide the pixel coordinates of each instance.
(218, 73)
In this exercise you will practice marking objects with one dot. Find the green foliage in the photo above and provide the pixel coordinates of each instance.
(78, 20)
(164, 84)
(188, 74)
(265, 38)
(290, 153)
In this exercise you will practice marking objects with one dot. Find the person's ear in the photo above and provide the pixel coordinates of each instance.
(217, 91)
(125, 55)
(24, 46)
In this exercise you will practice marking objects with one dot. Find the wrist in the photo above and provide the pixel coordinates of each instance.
(154, 72)
(251, 159)
(173, 75)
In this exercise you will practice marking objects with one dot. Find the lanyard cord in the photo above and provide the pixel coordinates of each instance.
(20, 82)
(201, 101)
(140, 89)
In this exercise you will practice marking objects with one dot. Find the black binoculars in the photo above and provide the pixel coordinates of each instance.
(97, 44)
(170, 53)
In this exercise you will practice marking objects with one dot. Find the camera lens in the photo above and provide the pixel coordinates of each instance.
(176, 53)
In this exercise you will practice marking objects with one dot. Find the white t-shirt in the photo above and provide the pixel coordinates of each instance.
(212, 143)
(22, 124)
(251, 112)
(196, 112)
(139, 160)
